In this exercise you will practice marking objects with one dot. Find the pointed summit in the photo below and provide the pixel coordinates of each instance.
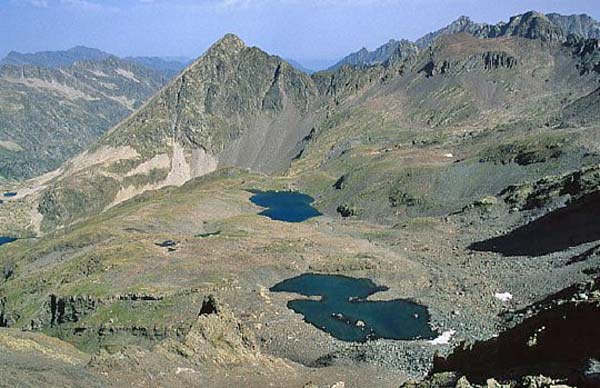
(462, 21)
(227, 47)
(228, 42)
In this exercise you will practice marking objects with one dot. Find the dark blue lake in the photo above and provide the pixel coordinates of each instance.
(6, 240)
(10, 194)
(344, 312)
(287, 206)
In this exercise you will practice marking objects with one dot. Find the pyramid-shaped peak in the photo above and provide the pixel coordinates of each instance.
(229, 42)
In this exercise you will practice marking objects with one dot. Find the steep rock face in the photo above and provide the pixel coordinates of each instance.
(48, 115)
(234, 106)
(530, 25)
(487, 61)
(587, 51)
(230, 95)
(582, 25)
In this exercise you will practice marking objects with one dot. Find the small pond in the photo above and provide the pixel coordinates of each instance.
(10, 194)
(344, 312)
(286, 206)
(6, 240)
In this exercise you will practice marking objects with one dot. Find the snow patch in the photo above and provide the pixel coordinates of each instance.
(444, 338)
(127, 74)
(503, 296)
(184, 370)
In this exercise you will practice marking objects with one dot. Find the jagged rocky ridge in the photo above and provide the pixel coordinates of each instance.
(530, 25)
(394, 50)
(556, 339)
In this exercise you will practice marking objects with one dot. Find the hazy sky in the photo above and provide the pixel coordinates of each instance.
(300, 29)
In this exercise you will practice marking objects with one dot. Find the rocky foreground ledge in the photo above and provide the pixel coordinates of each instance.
(554, 344)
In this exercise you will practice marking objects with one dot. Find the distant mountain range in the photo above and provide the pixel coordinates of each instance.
(53, 104)
(260, 113)
(48, 114)
(54, 59)
(528, 25)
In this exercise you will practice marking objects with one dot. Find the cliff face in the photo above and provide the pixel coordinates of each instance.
(581, 25)
(530, 25)
(392, 50)
(232, 93)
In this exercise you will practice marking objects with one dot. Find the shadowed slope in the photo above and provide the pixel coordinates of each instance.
(575, 224)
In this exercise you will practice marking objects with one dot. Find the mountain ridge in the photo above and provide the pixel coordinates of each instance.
(50, 114)
(233, 106)
(66, 58)
(237, 106)
(530, 25)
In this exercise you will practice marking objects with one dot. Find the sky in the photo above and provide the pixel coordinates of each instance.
(309, 31)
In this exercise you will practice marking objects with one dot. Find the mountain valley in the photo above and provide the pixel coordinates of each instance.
(458, 174)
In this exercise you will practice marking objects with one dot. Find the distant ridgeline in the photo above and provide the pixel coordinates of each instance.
(55, 104)
(170, 67)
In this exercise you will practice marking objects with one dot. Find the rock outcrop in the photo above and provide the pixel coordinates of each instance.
(558, 340)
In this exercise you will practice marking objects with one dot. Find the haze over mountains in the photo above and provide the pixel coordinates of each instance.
(460, 172)
(56, 103)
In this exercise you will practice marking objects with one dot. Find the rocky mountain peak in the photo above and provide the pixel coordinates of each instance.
(228, 42)
(532, 25)
(462, 21)
(392, 50)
